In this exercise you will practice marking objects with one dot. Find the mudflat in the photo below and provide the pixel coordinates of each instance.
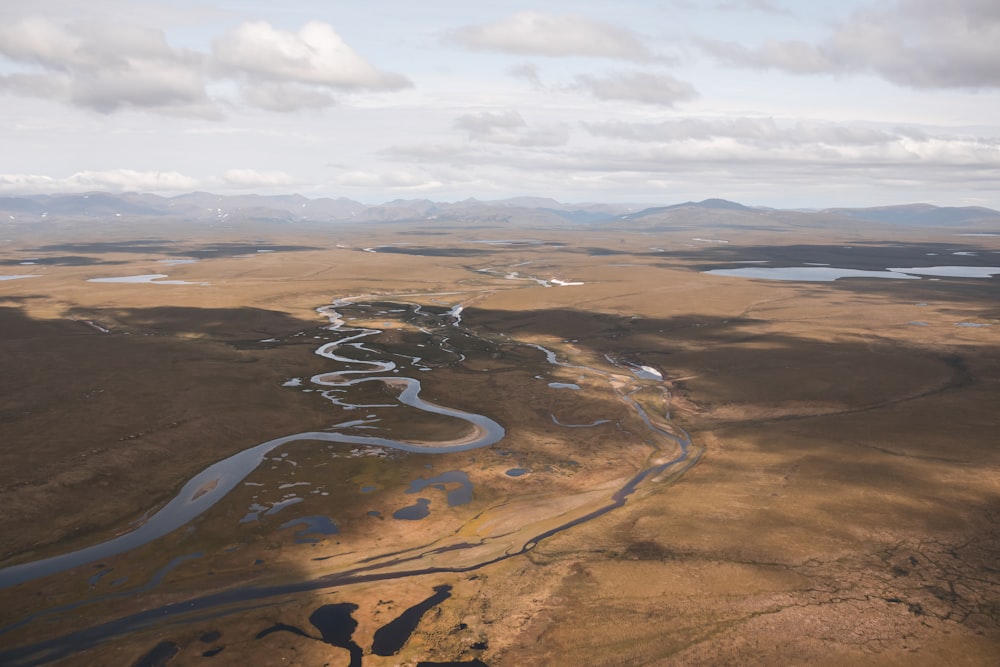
(695, 469)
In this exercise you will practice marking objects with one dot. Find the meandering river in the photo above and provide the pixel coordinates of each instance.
(215, 482)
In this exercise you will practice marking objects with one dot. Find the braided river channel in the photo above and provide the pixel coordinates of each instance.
(398, 486)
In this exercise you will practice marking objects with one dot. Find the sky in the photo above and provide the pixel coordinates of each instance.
(767, 102)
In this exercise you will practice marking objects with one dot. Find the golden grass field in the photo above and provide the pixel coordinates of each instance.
(844, 509)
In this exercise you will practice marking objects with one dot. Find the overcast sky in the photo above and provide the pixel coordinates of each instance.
(767, 102)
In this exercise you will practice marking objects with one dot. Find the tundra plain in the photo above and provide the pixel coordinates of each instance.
(836, 502)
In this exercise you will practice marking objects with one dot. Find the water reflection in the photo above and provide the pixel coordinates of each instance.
(458, 496)
(311, 525)
(415, 512)
(814, 273)
(361, 353)
(212, 484)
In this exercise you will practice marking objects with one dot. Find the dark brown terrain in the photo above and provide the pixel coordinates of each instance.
(838, 503)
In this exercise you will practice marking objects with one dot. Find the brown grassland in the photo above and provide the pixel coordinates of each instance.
(845, 508)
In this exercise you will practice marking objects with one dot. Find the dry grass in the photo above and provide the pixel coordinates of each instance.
(844, 512)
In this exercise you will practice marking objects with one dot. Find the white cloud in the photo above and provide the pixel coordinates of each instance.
(290, 71)
(36, 39)
(658, 89)
(102, 67)
(250, 178)
(526, 71)
(766, 141)
(116, 180)
(554, 35)
(916, 43)
(79, 87)
(752, 6)
(714, 153)
(397, 178)
(508, 127)
(315, 55)
(286, 97)
(486, 122)
(794, 57)
(759, 131)
(107, 67)
(129, 180)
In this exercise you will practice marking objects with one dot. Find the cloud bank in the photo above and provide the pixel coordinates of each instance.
(621, 100)
(109, 67)
(130, 180)
(699, 154)
(284, 71)
(657, 89)
(101, 67)
(553, 35)
(116, 180)
(916, 43)
(509, 127)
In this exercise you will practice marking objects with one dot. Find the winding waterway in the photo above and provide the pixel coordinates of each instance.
(212, 484)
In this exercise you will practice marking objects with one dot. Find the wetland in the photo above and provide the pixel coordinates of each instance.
(329, 446)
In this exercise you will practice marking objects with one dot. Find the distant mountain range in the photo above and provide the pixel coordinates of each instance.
(213, 208)
(710, 204)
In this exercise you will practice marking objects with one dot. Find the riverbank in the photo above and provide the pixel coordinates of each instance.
(843, 511)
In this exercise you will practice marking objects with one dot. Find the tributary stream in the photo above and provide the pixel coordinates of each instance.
(673, 453)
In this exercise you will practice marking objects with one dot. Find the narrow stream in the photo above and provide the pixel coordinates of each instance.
(212, 484)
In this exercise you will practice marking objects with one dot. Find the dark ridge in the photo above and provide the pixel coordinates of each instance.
(161, 654)
(282, 627)
(714, 204)
(920, 214)
(99, 204)
(159, 246)
(67, 260)
(138, 246)
(21, 206)
(717, 204)
(602, 252)
(432, 252)
(581, 217)
(214, 209)
(869, 255)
